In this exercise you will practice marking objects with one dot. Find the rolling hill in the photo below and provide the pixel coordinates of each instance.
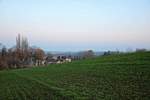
(115, 77)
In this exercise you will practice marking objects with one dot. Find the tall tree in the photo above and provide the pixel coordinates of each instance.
(4, 51)
(22, 42)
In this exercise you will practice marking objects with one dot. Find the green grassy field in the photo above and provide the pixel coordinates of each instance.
(114, 77)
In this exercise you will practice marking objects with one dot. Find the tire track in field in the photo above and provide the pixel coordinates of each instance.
(53, 92)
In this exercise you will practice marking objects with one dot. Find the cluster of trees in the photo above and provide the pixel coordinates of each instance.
(141, 50)
(21, 55)
(86, 54)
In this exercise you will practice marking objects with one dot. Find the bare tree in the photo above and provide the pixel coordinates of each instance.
(22, 49)
(3, 58)
(22, 42)
(39, 56)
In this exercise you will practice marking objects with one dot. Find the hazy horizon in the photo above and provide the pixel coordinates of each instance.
(75, 25)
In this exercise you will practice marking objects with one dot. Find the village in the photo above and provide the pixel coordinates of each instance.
(23, 55)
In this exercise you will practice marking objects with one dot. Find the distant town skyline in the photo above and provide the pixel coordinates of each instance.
(75, 25)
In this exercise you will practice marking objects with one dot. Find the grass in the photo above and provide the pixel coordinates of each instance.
(116, 77)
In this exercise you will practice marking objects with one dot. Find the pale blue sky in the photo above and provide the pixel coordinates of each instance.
(72, 25)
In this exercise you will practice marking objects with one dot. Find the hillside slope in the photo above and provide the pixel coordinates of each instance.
(117, 77)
